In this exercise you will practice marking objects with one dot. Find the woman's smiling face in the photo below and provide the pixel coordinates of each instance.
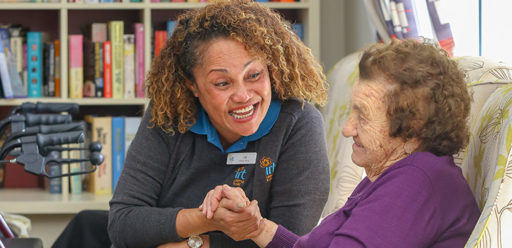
(233, 87)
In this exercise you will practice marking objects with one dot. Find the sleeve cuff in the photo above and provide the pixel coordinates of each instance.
(283, 238)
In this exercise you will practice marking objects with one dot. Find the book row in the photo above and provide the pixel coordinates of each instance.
(104, 61)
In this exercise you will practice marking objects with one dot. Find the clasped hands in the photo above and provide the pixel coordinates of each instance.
(232, 213)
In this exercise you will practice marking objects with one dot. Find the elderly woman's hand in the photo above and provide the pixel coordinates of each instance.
(234, 195)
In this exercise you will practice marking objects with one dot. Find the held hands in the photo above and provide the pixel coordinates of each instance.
(231, 212)
(233, 196)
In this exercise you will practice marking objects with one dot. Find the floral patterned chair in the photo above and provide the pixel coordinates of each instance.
(486, 162)
(345, 175)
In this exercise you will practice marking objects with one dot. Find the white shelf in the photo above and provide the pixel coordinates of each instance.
(81, 101)
(39, 201)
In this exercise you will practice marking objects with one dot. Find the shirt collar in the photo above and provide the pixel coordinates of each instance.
(203, 126)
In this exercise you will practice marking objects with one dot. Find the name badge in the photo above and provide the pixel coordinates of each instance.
(241, 158)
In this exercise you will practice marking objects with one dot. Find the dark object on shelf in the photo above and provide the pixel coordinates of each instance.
(36, 135)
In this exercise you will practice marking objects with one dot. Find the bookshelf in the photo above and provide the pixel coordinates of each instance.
(61, 19)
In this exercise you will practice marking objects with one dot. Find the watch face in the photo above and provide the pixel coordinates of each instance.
(195, 241)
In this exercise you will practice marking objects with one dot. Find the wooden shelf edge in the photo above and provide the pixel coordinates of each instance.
(82, 101)
(39, 201)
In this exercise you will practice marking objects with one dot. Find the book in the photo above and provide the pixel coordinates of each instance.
(139, 59)
(118, 145)
(131, 125)
(16, 40)
(171, 25)
(100, 129)
(54, 184)
(160, 38)
(57, 74)
(89, 89)
(98, 32)
(129, 66)
(75, 182)
(107, 69)
(116, 31)
(64, 169)
(49, 69)
(98, 68)
(4, 73)
(76, 71)
(14, 79)
(24, 78)
(298, 29)
(35, 64)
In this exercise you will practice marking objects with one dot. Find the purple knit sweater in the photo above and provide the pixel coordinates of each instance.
(421, 201)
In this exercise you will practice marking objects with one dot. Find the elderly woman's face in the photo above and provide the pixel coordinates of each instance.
(368, 125)
(233, 88)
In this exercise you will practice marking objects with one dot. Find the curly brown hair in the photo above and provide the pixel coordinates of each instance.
(428, 100)
(294, 72)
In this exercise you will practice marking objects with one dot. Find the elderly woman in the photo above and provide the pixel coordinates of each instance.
(231, 98)
(408, 117)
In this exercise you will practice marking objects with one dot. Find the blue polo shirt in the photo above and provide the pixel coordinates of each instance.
(203, 126)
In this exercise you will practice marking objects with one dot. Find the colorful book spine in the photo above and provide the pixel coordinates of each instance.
(98, 32)
(129, 66)
(171, 25)
(49, 73)
(118, 140)
(98, 68)
(25, 67)
(75, 182)
(298, 29)
(160, 38)
(100, 129)
(89, 83)
(54, 184)
(57, 68)
(14, 77)
(116, 29)
(107, 69)
(139, 59)
(17, 49)
(131, 125)
(34, 64)
(76, 71)
(4, 72)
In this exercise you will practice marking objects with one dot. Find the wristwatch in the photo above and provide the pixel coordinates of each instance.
(195, 241)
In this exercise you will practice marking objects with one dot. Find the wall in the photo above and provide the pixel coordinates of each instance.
(345, 28)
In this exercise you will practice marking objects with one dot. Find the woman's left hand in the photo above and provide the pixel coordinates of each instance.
(214, 197)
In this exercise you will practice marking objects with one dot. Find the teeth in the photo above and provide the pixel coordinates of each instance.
(244, 110)
(243, 113)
